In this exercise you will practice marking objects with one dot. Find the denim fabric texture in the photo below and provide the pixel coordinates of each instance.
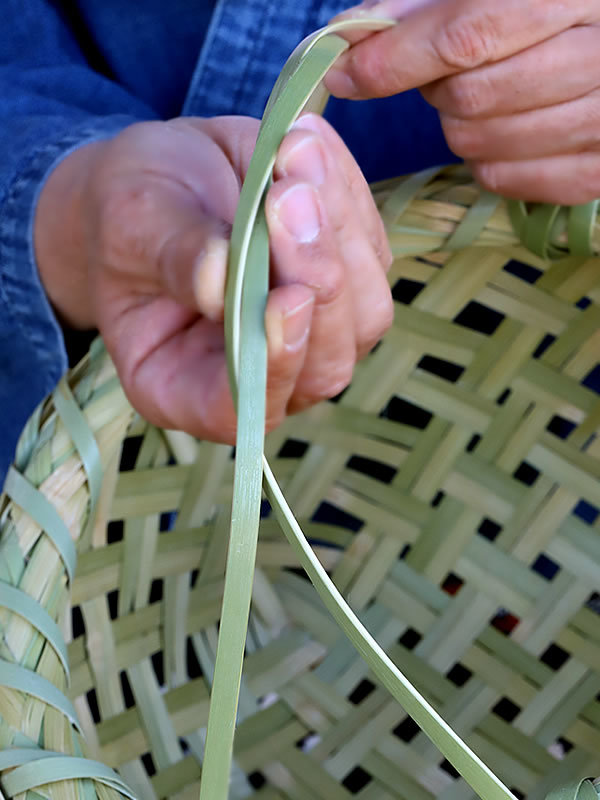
(76, 72)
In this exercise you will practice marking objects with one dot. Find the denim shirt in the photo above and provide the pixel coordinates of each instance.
(72, 72)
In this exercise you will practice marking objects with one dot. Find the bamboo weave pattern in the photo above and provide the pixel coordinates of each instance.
(453, 493)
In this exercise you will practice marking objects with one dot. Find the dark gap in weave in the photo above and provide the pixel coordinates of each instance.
(560, 426)
(526, 474)
(404, 552)
(489, 529)
(114, 532)
(583, 303)
(439, 496)
(265, 509)
(503, 397)
(361, 691)
(112, 598)
(406, 730)
(473, 442)
(167, 521)
(356, 780)
(257, 780)
(158, 665)
(443, 369)
(447, 767)
(399, 410)
(544, 345)
(410, 639)
(592, 379)
(92, 701)
(525, 272)
(194, 669)
(452, 584)
(593, 603)
(130, 452)
(478, 317)
(505, 622)
(405, 291)
(194, 577)
(506, 709)
(554, 657)
(128, 697)
(519, 795)
(77, 622)
(566, 745)
(459, 674)
(331, 515)
(185, 748)
(308, 741)
(586, 511)
(148, 763)
(156, 591)
(292, 448)
(372, 468)
(545, 566)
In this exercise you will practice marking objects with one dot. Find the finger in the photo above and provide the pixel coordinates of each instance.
(304, 251)
(313, 143)
(192, 260)
(570, 127)
(174, 370)
(441, 38)
(563, 180)
(171, 363)
(560, 69)
(288, 319)
(361, 240)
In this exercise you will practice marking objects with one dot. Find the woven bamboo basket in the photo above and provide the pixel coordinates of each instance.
(452, 492)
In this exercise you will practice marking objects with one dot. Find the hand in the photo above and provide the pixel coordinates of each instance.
(131, 236)
(517, 84)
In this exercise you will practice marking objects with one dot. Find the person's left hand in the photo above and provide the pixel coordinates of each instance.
(517, 84)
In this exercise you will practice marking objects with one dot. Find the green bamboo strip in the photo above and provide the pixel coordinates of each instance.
(247, 289)
(24, 605)
(216, 772)
(473, 770)
(244, 523)
(46, 516)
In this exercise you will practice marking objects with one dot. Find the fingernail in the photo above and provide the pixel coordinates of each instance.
(209, 279)
(298, 211)
(296, 325)
(341, 84)
(305, 161)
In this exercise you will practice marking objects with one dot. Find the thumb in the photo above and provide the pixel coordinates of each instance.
(192, 263)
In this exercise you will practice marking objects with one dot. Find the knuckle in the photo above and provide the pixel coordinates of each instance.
(463, 137)
(587, 184)
(335, 383)
(329, 282)
(374, 332)
(374, 70)
(489, 177)
(469, 95)
(123, 222)
(466, 43)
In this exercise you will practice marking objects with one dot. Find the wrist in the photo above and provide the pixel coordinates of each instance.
(59, 235)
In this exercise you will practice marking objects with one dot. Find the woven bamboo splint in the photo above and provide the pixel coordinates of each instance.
(452, 492)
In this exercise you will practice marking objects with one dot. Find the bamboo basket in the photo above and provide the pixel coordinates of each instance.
(452, 492)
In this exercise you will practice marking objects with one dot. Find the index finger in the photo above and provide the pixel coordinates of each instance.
(437, 38)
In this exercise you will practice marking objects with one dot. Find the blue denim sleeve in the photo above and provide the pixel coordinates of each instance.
(51, 102)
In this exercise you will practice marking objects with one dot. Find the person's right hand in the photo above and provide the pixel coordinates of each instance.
(131, 237)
